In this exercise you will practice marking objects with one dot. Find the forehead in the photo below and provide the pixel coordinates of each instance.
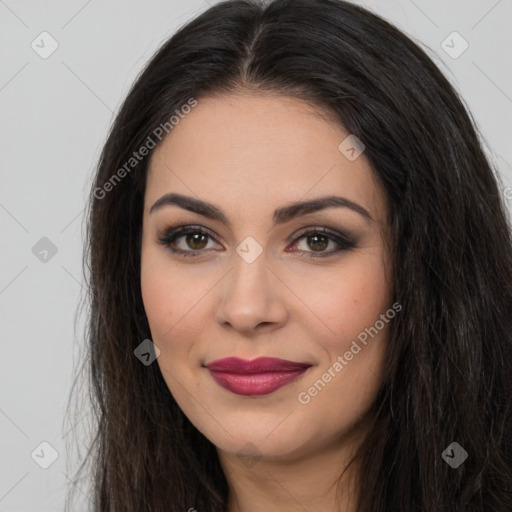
(259, 149)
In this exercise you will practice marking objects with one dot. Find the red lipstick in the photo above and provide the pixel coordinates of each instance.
(257, 377)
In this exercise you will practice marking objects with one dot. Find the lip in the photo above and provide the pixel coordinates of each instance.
(257, 377)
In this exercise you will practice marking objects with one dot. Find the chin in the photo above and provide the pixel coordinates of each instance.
(276, 440)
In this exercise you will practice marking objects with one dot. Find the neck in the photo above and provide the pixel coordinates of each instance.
(321, 479)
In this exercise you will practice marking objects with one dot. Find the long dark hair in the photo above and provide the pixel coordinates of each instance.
(449, 363)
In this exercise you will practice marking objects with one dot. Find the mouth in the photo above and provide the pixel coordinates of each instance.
(257, 377)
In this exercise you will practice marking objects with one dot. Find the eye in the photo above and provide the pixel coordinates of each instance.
(318, 240)
(194, 237)
(194, 240)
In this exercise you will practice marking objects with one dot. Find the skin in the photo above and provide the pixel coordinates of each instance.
(249, 154)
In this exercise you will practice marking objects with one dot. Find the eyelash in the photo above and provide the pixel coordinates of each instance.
(170, 234)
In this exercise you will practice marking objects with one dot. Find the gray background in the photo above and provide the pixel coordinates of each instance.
(55, 114)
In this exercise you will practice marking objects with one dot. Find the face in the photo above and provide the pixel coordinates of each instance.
(253, 276)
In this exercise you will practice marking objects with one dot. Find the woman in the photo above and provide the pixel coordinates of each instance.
(300, 277)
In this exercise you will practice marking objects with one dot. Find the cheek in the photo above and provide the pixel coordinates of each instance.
(174, 302)
(347, 300)
(163, 295)
(166, 306)
(157, 296)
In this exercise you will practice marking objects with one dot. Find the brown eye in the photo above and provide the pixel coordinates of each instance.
(196, 240)
(186, 240)
(317, 242)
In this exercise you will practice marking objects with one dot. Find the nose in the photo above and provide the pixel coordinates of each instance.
(251, 298)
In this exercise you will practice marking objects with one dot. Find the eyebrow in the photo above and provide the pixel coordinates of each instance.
(281, 215)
